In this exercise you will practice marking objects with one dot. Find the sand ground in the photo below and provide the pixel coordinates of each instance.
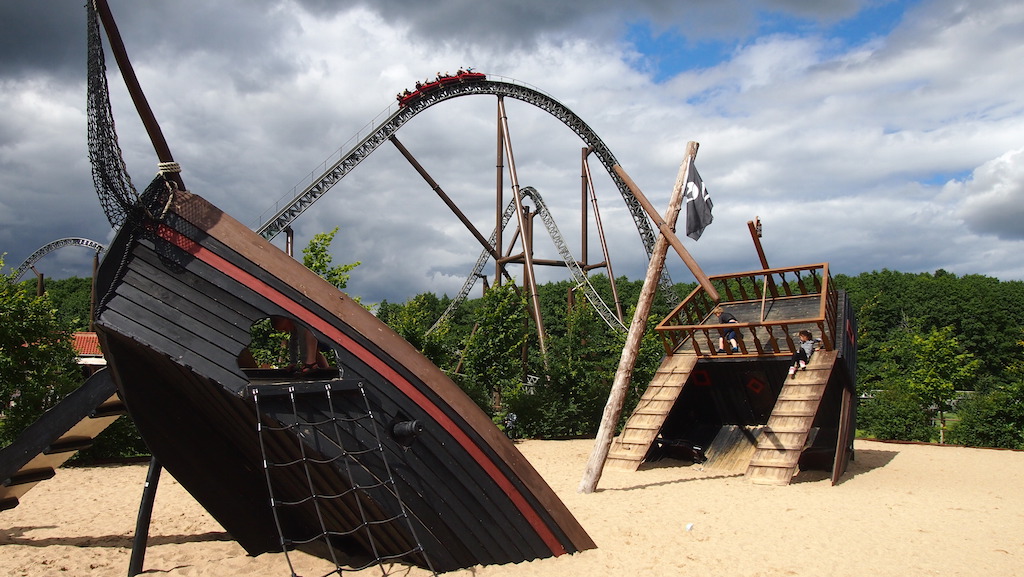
(901, 510)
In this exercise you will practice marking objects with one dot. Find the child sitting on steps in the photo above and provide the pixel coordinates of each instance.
(803, 352)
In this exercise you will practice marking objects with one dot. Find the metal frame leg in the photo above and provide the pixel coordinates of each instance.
(145, 514)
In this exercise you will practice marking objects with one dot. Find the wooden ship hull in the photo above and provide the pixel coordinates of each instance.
(383, 460)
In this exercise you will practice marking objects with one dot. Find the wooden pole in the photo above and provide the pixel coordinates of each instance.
(623, 375)
(669, 234)
(156, 135)
(755, 235)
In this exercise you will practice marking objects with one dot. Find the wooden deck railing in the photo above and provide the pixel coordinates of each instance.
(771, 305)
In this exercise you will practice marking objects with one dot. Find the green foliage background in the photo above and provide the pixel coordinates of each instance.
(934, 342)
(931, 346)
(37, 360)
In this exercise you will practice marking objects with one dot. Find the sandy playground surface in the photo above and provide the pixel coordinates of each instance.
(901, 510)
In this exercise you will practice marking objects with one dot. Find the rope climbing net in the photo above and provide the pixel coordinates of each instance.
(325, 464)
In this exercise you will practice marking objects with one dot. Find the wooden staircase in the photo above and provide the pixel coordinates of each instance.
(65, 429)
(781, 442)
(630, 447)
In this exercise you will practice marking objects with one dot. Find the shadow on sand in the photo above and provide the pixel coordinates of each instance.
(17, 536)
(864, 461)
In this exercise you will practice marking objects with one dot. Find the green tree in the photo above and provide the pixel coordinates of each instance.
(991, 419)
(995, 417)
(317, 258)
(939, 367)
(569, 400)
(37, 360)
(415, 318)
(71, 297)
(493, 365)
(986, 315)
(896, 414)
(922, 370)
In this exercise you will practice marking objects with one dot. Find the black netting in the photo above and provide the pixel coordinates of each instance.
(109, 174)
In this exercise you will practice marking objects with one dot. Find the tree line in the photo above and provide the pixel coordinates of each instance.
(931, 343)
(932, 347)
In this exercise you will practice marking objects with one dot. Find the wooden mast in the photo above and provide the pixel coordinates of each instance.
(623, 375)
(156, 136)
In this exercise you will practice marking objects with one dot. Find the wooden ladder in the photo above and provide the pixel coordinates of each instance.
(781, 442)
(630, 447)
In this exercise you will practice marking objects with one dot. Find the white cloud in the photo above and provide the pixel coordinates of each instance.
(993, 198)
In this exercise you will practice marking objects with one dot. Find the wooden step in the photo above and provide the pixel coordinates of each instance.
(782, 440)
(29, 476)
(69, 445)
(792, 413)
(644, 424)
(771, 464)
(799, 397)
(110, 409)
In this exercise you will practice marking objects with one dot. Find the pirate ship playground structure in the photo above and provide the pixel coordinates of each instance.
(742, 411)
(383, 458)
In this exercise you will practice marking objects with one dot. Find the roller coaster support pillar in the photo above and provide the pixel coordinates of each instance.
(40, 282)
(531, 280)
(600, 234)
(92, 291)
(443, 196)
(669, 234)
(499, 179)
(617, 396)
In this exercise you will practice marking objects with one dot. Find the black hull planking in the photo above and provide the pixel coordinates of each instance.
(176, 306)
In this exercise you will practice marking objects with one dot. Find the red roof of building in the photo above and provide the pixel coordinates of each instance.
(87, 345)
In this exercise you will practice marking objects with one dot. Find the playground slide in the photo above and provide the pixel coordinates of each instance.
(68, 427)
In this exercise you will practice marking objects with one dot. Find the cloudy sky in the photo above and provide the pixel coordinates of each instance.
(869, 134)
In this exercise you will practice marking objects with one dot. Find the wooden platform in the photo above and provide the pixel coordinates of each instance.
(739, 408)
(784, 438)
(773, 335)
(630, 447)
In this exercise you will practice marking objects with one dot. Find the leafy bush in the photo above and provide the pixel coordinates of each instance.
(896, 414)
(37, 360)
(993, 419)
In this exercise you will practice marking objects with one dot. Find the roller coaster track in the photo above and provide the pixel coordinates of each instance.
(563, 249)
(46, 249)
(380, 133)
(481, 262)
(574, 267)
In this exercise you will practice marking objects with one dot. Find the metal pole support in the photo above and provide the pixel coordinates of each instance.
(145, 514)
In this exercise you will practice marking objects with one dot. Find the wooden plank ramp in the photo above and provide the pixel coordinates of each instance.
(732, 449)
(784, 438)
(630, 447)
